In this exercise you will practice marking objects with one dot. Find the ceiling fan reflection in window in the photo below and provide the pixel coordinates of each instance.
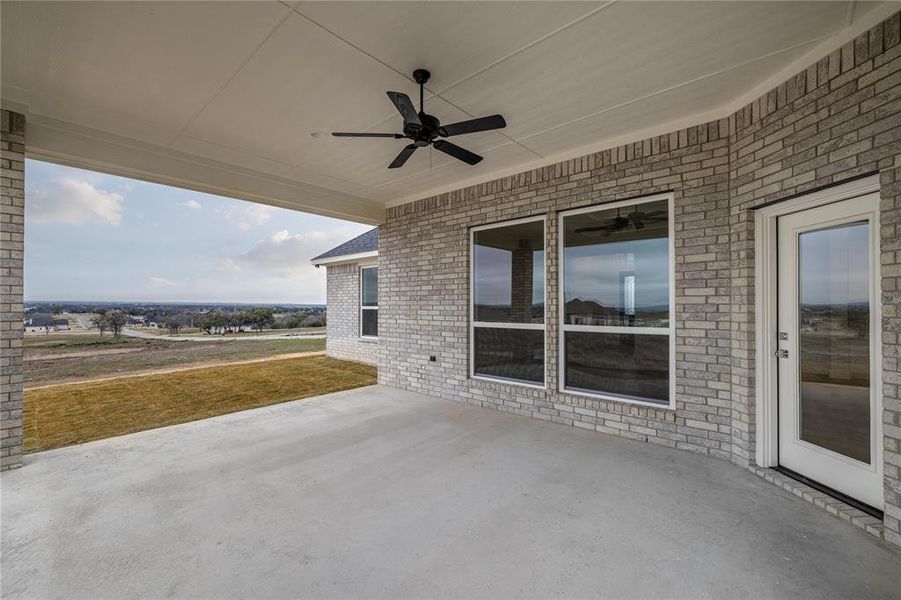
(636, 219)
(424, 129)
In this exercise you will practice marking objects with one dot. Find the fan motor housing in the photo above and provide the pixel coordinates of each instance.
(427, 133)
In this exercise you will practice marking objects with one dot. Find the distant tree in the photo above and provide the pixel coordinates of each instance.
(115, 320)
(261, 318)
(175, 322)
(314, 321)
(99, 321)
(213, 322)
(292, 321)
(239, 319)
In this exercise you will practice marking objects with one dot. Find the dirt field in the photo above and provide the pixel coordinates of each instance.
(60, 358)
(71, 414)
(196, 332)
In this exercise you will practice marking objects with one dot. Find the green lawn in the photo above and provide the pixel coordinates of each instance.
(70, 414)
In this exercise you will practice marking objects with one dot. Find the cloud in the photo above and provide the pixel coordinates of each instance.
(258, 213)
(192, 204)
(276, 266)
(70, 200)
(284, 253)
(228, 265)
(248, 216)
(159, 282)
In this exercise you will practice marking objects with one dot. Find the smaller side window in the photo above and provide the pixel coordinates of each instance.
(369, 302)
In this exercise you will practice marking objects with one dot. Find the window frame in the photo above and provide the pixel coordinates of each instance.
(496, 325)
(362, 308)
(561, 307)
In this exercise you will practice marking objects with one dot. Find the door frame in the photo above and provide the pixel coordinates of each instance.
(766, 307)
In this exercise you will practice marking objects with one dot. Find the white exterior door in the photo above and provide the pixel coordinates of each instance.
(829, 353)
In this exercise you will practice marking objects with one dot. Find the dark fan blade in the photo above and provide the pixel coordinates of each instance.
(405, 108)
(457, 152)
(473, 126)
(396, 136)
(401, 158)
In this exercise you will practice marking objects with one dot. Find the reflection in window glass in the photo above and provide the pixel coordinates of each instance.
(508, 273)
(616, 278)
(834, 338)
(510, 353)
(370, 323)
(622, 364)
(370, 283)
(616, 266)
(369, 301)
(508, 287)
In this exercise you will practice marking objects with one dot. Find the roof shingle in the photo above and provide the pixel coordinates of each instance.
(366, 242)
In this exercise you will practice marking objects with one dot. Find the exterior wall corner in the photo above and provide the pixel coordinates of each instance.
(12, 251)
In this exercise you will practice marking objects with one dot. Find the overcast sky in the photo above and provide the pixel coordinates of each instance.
(91, 236)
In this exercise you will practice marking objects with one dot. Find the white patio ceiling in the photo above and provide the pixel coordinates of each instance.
(223, 97)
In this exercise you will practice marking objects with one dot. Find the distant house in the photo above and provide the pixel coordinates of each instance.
(589, 312)
(38, 323)
(352, 298)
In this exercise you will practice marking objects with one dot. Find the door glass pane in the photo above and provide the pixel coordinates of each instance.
(834, 339)
(620, 364)
(509, 353)
(616, 266)
(508, 273)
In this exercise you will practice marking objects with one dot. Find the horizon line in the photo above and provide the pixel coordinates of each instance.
(173, 302)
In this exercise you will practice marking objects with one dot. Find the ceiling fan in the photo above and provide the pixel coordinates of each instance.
(424, 129)
(636, 219)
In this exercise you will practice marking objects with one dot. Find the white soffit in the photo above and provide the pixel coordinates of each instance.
(223, 96)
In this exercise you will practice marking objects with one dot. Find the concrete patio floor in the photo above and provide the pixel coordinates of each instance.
(380, 493)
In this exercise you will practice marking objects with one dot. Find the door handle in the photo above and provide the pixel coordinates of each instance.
(781, 353)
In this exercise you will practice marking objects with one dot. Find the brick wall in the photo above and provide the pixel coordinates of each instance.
(343, 316)
(836, 120)
(12, 236)
(424, 256)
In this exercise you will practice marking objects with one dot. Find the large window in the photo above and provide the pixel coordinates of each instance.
(616, 301)
(507, 334)
(369, 302)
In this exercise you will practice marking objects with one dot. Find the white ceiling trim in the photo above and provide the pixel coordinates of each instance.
(12, 105)
(345, 258)
(73, 145)
(824, 48)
